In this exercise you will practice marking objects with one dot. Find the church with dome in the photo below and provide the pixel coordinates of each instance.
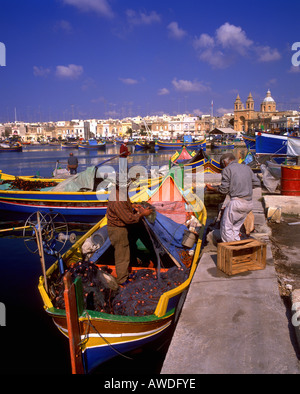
(247, 119)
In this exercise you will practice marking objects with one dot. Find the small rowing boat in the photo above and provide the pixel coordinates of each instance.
(178, 145)
(11, 147)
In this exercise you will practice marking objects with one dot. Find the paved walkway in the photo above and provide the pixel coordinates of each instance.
(233, 325)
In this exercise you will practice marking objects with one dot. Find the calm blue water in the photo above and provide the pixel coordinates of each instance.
(30, 343)
(43, 160)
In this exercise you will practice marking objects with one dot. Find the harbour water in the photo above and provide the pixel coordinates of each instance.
(31, 344)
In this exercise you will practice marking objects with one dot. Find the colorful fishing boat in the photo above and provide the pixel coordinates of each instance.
(143, 145)
(32, 178)
(76, 198)
(92, 144)
(104, 334)
(11, 147)
(268, 143)
(249, 141)
(178, 145)
(79, 198)
(191, 161)
(69, 145)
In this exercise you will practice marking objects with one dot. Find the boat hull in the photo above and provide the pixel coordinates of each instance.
(267, 143)
(195, 162)
(179, 145)
(92, 147)
(249, 141)
(76, 206)
(13, 149)
(74, 146)
(110, 337)
(139, 146)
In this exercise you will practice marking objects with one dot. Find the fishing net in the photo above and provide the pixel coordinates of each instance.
(138, 297)
(27, 185)
(98, 287)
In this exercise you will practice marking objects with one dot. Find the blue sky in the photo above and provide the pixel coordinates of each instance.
(115, 58)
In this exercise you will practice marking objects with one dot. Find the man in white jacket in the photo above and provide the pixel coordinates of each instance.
(238, 181)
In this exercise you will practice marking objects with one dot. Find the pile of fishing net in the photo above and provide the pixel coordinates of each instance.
(99, 287)
(140, 296)
(101, 293)
(28, 185)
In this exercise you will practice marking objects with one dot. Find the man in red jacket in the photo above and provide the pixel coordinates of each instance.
(124, 153)
(121, 221)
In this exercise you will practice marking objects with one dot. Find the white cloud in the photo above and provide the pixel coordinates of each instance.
(230, 36)
(101, 7)
(41, 71)
(223, 111)
(175, 31)
(163, 92)
(129, 81)
(72, 71)
(204, 41)
(189, 86)
(267, 54)
(198, 112)
(215, 58)
(228, 44)
(142, 18)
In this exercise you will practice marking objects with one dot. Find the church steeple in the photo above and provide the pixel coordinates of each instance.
(250, 102)
(238, 103)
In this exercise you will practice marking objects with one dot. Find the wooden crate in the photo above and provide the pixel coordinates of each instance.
(240, 256)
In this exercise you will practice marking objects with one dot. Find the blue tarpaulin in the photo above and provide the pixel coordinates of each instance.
(169, 233)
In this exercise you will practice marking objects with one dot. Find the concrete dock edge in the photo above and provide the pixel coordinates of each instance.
(236, 324)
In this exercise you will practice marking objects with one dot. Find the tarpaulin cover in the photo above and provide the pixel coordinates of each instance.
(166, 230)
(293, 147)
(92, 142)
(187, 138)
(84, 179)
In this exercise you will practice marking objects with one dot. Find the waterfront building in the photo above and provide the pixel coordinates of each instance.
(267, 119)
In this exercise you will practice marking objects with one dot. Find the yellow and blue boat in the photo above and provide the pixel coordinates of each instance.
(92, 144)
(250, 141)
(192, 161)
(104, 335)
(178, 145)
(79, 199)
(11, 147)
